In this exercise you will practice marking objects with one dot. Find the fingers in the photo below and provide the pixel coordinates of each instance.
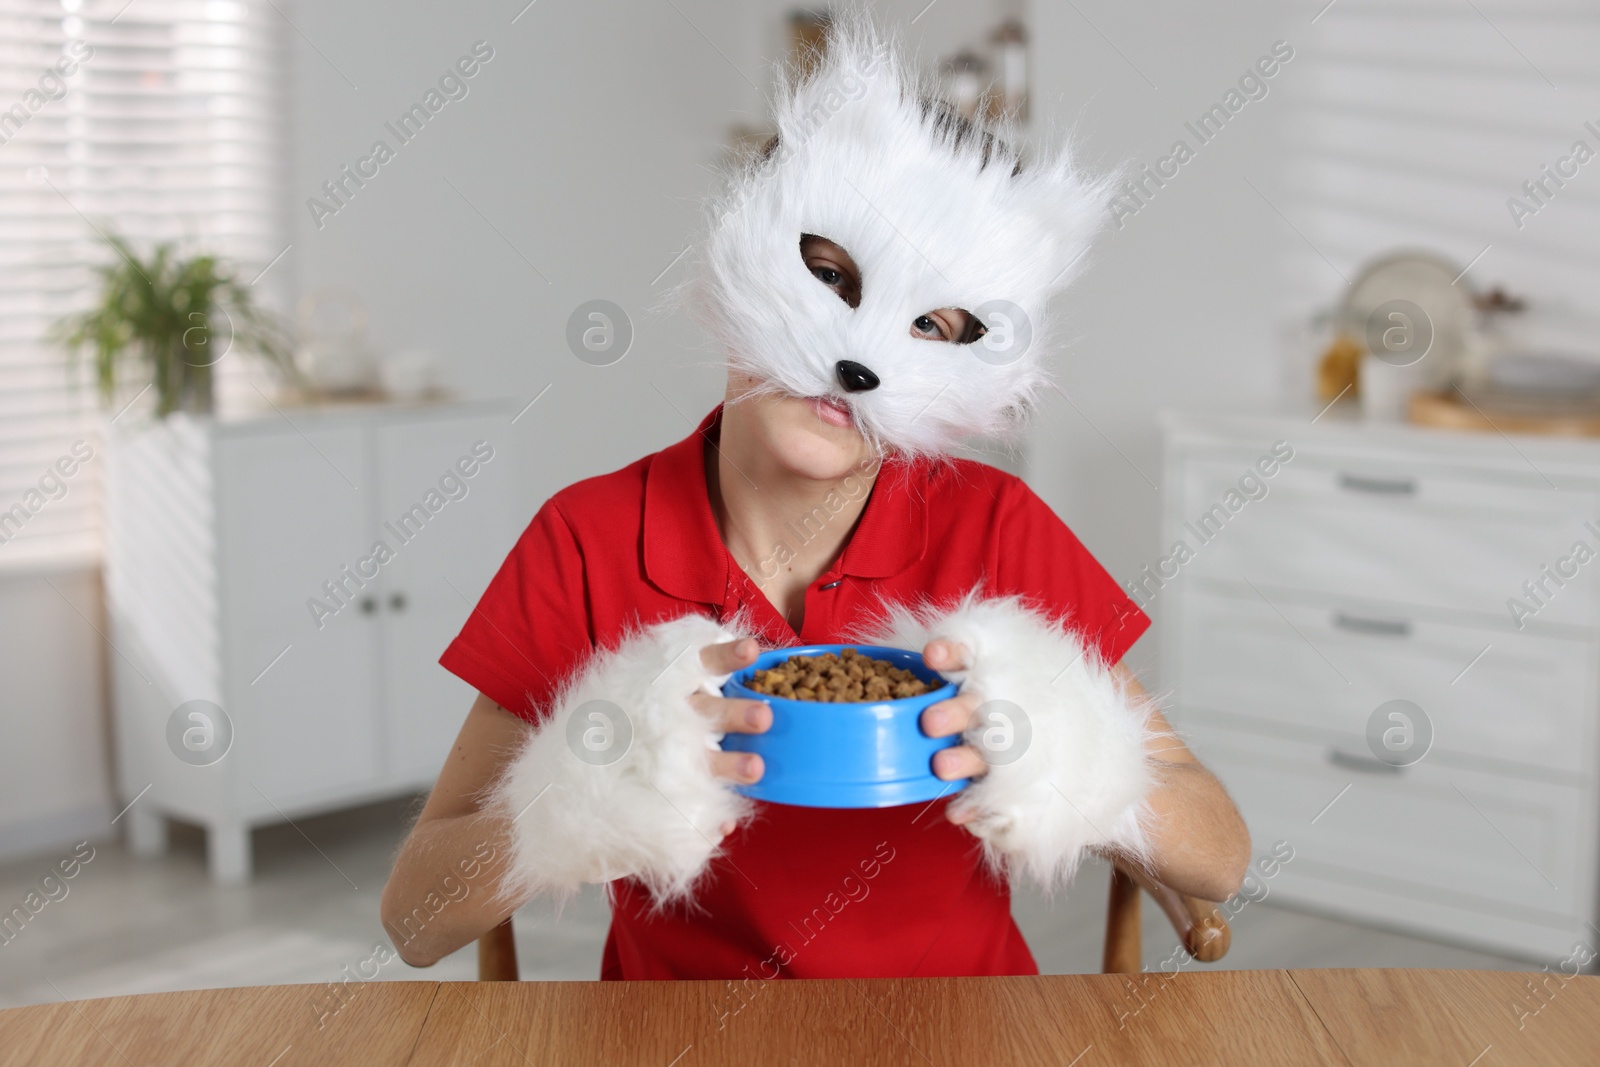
(735, 717)
(730, 655)
(961, 761)
(956, 813)
(732, 715)
(943, 655)
(951, 716)
(744, 768)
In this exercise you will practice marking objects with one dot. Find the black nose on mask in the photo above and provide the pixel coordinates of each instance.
(854, 377)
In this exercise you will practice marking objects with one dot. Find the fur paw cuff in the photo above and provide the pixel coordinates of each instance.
(616, 783)
(1067, 746)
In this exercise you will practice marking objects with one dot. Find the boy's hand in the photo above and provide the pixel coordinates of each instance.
(952, 716)
(734, 716)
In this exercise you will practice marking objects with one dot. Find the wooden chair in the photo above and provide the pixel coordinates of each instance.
(497, 955)
(1200, 924)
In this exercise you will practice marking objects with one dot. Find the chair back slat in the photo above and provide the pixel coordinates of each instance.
(497, 955)
(1123, 952)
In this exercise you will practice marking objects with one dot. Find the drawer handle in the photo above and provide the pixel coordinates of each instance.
(1362, 483)
(1364, 764)
(1361, 625)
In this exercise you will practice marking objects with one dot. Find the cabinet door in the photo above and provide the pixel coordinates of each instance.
(293, 509)
(445, 511)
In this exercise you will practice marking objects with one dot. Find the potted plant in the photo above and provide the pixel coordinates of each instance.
(174, 318)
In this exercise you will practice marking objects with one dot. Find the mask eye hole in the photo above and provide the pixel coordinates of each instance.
(955, 325)
(831, 265)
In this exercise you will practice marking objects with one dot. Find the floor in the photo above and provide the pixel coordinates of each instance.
(129, 925)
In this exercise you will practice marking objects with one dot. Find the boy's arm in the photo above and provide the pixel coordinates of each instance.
(430, 906)
(1201, 846)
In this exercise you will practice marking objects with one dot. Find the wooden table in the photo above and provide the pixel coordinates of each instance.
(1232, 1018)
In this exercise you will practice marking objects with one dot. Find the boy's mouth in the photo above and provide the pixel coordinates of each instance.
(830, 411)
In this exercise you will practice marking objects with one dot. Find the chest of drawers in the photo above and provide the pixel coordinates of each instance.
(1311, 574)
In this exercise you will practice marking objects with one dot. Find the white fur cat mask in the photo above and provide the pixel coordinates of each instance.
(934, 217)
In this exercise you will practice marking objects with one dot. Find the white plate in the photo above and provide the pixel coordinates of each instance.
(1408, 309)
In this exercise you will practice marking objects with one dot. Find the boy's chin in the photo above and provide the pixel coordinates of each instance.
(810, 446)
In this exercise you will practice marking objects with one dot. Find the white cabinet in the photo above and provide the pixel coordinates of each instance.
(1380, 564)
(302, 572)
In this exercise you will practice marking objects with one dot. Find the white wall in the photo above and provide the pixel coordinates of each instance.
(583, 143)
(54, 775)
(1179, 306)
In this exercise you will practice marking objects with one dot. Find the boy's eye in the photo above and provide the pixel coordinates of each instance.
(955, 325)
(831, 265)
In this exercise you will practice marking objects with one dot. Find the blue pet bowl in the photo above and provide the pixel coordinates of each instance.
(866, 755)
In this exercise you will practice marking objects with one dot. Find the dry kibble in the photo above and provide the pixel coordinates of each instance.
(848, 677)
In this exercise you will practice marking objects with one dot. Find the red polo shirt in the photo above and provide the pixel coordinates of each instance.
(801, 892)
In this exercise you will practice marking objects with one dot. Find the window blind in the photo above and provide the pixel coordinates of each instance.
(157, 120)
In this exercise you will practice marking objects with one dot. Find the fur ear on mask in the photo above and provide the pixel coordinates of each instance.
(935, 212)
(1073, 212)
(1068, 747)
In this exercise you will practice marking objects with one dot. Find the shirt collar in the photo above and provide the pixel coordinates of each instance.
(893, 532)
(679, 525)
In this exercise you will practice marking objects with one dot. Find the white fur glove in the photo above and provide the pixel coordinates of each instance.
(1070, 771)
(617, 782)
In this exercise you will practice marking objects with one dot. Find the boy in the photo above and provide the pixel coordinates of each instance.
(879, 282)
